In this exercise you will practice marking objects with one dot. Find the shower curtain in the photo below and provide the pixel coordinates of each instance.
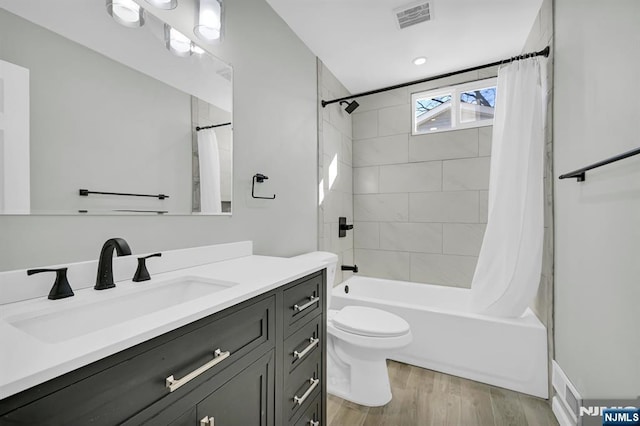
(209, 160)
(507, 275)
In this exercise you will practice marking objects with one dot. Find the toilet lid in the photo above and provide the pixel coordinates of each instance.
(371, 322)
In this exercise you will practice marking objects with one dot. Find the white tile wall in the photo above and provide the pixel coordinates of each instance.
(394, 120)
(383, 100)
(365, 124)
(411, 177)
(366, 235)
(462, 238)
(441, 269)
(484, 141)
(413, 237)
(484, 206)
(453, 206)
(365, 180)
(335, 141)
(385, 150)
(383, 264)
(381, 207)
(420, 202)
(444, 145)
(464, 174)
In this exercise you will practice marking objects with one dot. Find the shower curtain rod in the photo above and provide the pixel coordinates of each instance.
(198, 128)
(544, 52)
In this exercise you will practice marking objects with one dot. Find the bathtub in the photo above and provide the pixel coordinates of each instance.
(447, 337)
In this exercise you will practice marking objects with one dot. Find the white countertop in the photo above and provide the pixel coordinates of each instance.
(26, 361)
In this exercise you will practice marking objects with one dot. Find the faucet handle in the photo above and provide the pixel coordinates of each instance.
(142, 273)
(61, 287)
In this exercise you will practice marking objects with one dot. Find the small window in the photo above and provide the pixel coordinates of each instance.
(456, 107)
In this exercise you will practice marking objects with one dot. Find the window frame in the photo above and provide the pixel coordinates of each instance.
(455, 91)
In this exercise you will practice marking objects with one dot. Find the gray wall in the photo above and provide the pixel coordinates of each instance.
(275, 133)
(334, 142)
(597, 222)
(94, 125)
(420, 202)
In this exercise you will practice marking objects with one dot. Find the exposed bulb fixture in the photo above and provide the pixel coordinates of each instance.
(164, 4)
(420, 61)
(126, 12)
(177, 43)
(209, 24)
(351, 106)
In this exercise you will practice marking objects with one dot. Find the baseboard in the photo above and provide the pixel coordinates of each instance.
(566, 400)
(561, 415)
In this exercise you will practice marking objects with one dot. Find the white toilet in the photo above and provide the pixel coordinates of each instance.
(360, 340)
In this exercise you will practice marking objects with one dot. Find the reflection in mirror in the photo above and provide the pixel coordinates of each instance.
(86, 103)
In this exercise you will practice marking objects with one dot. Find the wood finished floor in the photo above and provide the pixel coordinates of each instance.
(424, 397)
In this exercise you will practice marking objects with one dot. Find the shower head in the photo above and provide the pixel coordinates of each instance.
(351, 106)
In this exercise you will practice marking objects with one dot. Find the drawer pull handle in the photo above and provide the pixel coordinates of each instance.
(312, 301)
(314, 384)
(218, 356)
(314, 423)
(207, 421)
(312, 343)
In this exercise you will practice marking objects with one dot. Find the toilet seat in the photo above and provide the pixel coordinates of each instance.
(369, 322)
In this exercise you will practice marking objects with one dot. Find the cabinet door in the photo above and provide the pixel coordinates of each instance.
(246, 399)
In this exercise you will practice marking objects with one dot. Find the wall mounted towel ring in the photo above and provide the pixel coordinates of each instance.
(259, 177)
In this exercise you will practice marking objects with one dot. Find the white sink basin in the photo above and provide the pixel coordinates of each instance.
(73, 321)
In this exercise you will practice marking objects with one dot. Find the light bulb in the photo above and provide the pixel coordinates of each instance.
(126, 12)
(209, 20)
(177, 43)
(164, 4)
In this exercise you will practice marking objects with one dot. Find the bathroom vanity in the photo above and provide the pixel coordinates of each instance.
(257, 359)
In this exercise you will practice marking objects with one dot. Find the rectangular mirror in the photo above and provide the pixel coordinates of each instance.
(99, 118)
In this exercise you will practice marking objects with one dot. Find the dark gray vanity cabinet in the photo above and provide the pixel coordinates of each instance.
(267, 362)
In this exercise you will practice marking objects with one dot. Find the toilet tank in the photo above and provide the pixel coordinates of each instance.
(330, 260)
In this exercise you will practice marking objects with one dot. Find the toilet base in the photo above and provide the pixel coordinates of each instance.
(359, 374)
(376, 393)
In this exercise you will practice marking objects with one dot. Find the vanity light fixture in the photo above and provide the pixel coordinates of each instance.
(126, 12)
(164, 4)
(209, 24)
(176, 42)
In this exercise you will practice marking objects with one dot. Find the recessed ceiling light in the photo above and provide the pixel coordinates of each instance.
(419, 61)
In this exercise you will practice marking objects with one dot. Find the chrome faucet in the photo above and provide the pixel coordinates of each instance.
(105, 264)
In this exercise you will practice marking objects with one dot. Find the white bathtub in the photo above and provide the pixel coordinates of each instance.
(506, 352)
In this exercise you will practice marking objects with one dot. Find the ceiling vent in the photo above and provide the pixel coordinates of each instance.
(413, 14)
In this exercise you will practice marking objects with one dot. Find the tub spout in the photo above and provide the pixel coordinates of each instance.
(353, 268)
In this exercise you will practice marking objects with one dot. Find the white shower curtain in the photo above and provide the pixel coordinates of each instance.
(508, 271)
(209, 160)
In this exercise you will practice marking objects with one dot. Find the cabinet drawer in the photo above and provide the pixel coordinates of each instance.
(302, 385)
(246, 399)
(302, 344)
(116, 393)
(312, 416)
(303, 301)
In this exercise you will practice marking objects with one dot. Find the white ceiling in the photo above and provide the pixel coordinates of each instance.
(360, 42)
